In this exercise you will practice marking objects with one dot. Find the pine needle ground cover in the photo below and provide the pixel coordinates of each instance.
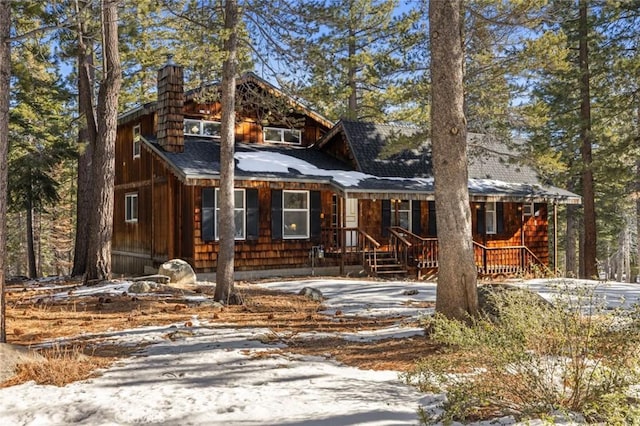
(72, 332)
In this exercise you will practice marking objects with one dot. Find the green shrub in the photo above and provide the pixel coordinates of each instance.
(529, 358)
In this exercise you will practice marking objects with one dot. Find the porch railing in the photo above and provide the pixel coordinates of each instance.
(354, 245)
(399, 245)
(422, 252)
(505, 260)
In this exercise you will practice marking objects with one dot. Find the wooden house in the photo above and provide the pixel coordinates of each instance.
(305, 188)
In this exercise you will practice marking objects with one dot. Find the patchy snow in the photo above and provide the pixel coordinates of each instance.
(205, 373)
(275, 162)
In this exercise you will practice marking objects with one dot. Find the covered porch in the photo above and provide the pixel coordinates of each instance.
(393, 233)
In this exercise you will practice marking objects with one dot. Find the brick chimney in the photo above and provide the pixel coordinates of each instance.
(170, 107)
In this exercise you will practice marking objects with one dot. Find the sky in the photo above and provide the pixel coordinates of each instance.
(209, 373)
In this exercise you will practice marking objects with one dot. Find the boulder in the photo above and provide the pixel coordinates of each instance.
(178, 271)
(488, 293)
(11, 356)
(142, 287)
(311, 293)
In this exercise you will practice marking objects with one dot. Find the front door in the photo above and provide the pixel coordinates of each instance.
(351, 221)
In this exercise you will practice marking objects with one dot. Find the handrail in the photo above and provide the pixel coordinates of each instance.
(369, 238)
(397, 232)
(507, 262)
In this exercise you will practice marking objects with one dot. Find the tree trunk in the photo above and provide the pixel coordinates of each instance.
(627, 252)
(588, 196)
(5, 77)
(103, 163)
(351, 75)
(570, 242)
(31, 253)
(637, 187)
(456, 292)
(226, 222)
(86, 138)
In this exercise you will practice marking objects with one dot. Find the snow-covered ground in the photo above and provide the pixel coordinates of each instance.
(212, 374)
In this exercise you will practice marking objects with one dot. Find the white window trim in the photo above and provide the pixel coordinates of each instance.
(128, 207)
(490, 210)
(136, 141)
(235, 209)
(409, 213)
(528, 209)
(307, 210)
(281, 130)
(201, 124)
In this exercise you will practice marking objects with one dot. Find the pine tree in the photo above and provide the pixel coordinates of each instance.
(103, 159)
(5, 78)
(39, 128)
(354, 56)
(456, 294)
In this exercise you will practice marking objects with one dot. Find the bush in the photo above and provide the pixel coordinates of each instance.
(531, 359)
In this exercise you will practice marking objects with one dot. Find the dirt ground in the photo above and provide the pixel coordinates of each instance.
(33, 317)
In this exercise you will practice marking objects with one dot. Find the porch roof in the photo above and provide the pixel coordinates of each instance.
(200, 162)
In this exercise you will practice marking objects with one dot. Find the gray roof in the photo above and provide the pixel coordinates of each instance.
(201, 160)
(405, 175)
(489, 158)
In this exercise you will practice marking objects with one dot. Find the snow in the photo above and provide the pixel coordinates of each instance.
(276, 162)
(205, 373)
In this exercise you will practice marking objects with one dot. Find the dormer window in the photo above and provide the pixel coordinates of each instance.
(136, 141)
(279, 135)
(205, 128)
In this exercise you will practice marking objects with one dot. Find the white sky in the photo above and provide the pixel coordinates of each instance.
(212, 374)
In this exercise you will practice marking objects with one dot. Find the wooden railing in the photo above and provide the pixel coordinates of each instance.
(422, 252)
(505, 260)
(354, 245)
(399, 245)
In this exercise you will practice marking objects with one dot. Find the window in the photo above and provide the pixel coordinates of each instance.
(278, 135)
(527, 209)
(403, 216)
(295, 214)
(136, 141)
(209, 129)
(490, 218)
(247, 217)
(238, 214)
(131, 207)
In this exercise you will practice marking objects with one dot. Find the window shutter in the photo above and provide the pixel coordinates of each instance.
(316, 208)
(276, 214)
(537, 207)
(499, 218)
(433, 229)
(416, 217)
(208, 224)
(386, 217)
(253, 216)
(480, 219)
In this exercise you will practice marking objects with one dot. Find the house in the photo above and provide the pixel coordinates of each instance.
(304, 188)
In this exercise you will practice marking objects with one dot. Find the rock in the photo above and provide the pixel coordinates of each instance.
(487, 294)
(236, 299)
(411, 292)
(311, 293)
(142, 287)
(178, 271)
(11, 356)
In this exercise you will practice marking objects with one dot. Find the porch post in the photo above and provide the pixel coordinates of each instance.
(343, 236)
(555, 237)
